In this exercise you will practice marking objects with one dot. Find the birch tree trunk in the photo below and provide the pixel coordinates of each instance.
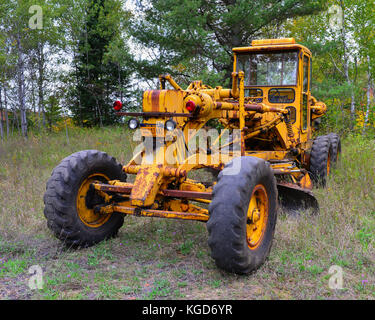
(6, 109)
(41, 81)
(369, 87)
(346, 66)
(21, 86)
(32, 76)
(1, 116)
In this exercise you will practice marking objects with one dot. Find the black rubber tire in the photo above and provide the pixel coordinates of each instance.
(321, 149)
(228, 215)
(336, 147)
(61, 195)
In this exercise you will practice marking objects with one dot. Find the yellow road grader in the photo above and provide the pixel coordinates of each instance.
(264, 158)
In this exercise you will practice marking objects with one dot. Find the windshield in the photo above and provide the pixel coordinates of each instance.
(269, 69)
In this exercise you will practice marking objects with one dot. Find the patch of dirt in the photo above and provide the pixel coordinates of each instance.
(15, 288)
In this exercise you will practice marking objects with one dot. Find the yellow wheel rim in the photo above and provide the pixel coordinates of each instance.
(257, 217)
(88, 216)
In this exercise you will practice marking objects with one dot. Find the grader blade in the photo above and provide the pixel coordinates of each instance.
(294, 199)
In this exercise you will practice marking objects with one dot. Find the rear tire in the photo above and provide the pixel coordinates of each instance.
(336, 147)
(235, 245)
(69, 214)
(320, 160)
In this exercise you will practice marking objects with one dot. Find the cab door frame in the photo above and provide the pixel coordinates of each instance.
(305, 95)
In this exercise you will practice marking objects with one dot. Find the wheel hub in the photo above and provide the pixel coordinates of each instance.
(257, 216)
(86, 200)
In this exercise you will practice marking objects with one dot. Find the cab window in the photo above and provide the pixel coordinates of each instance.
(269, 69)
(254, 93)
(281, 95)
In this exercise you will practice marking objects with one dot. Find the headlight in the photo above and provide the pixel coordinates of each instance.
(170, 125)
(133, 123)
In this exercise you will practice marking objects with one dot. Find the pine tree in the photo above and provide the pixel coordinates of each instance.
(99, 78)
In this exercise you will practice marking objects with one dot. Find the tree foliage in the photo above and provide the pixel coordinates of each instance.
(342, 40)
(89, 53)
(181, 32)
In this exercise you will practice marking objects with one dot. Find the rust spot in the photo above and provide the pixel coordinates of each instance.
(155, 100)
(187, 194)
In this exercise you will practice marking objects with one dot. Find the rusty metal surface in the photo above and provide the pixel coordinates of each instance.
(167, 171)
(131, 169)
(113, 188)
(155, 100)
(174, 172)
(293, 199)
(187, 194)
(261, 108)
(155, 114)
(264, 108)
(295, 187)
(285, 171)
(126, 189)
(161, 214)
(146, 185)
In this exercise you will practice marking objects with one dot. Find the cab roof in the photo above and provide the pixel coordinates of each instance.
(272, 45)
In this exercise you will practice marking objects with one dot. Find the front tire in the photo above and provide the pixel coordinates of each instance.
(69, 213)
(243, 215)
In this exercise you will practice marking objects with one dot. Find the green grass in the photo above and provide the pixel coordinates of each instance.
(169, 259)
(13, 268)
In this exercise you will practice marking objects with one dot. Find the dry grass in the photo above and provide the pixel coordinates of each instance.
(162, 259)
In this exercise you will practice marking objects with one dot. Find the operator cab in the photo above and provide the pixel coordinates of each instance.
(277, 72)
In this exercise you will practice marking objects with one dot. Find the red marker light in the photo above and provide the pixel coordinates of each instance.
(190, 105)
(117, 105)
